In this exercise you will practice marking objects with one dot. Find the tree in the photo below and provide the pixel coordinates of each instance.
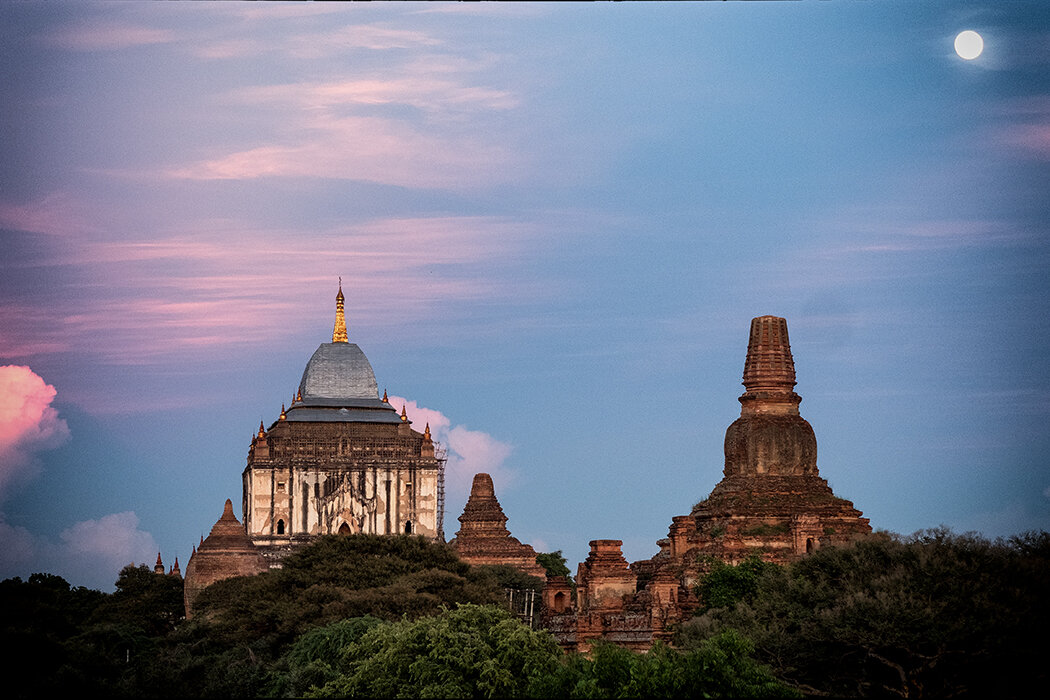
(470, 652)
(725, 585)
(554, 563)
(719, 667)
(932, 615)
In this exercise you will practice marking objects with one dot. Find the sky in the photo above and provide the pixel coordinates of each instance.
(553, 224)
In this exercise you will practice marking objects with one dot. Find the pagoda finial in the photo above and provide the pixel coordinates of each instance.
(283, 416)
(404, 416)
(426, 433)
(262, 431)
(385, 399)
(769, 370)
(299, 396)
(339, 334)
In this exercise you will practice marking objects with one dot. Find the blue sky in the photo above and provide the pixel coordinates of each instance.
(553, 223)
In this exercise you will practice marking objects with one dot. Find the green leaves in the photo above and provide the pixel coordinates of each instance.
(930, 615)
(725, 585)
(471, 651)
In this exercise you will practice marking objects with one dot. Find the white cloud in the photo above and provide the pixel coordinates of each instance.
(469, 451)
(90, 553)
(28, 422)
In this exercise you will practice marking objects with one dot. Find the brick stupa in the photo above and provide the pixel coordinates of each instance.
(771, 497)
(483, 537)
(225, 553)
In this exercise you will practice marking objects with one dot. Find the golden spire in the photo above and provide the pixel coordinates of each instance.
(282, 412)
(299, 396)
(262, 431)
(385, 399)
(339, 334)
(426, 433)
(404, 416)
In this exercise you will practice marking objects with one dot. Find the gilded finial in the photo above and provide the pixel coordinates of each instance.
(282, 412)
(299, 396)
(339, 333)
(426, 433)
(404, 416)
(262, 431)
(385, 399)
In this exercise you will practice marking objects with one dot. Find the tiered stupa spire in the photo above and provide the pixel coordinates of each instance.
(769, 370)
(770, 438)
(339, 333)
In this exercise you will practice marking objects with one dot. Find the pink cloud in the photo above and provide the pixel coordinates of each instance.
(1032, 138)
(28, 422)
(359, 36)
(107, 36)
(469, 452)
(371, 150)
(56, 214)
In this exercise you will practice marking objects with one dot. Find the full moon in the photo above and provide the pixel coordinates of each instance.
(969, 44)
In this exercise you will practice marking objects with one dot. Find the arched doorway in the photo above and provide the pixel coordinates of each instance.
(344, 529)
(408, 527)
(280, 527)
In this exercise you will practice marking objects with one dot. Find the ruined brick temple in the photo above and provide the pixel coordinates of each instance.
(771, 500)
(483, 537)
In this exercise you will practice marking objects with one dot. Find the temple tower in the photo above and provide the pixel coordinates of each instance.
(340, 459)
(227, 552)
(771, 498)
(483, 537)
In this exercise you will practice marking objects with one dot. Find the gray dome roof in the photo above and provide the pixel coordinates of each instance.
(338, 371)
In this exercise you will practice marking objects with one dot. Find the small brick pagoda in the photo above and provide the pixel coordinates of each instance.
(225, 553)
(483, 537)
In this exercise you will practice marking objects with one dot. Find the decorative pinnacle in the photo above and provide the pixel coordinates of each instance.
(426, 433)
(299, 395)
(385, 399)
(404, 416)
(769, 370)
(339, 334)
(262, 431)
(282, 412)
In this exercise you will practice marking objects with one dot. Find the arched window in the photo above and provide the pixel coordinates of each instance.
(280, 527)
(408, 527)
(810, 545)
(344, 529)
(559, 602)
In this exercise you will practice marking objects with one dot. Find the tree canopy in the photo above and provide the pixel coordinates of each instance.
(931, 615)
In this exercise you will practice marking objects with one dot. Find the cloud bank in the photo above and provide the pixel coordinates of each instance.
(469, 451)
(90, 553)
(28, 422)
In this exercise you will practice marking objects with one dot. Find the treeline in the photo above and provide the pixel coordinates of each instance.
(933, 615)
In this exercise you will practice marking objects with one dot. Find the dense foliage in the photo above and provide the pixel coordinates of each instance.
(483, 652)
(725, 585)
(932, 615)
(553, 563)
